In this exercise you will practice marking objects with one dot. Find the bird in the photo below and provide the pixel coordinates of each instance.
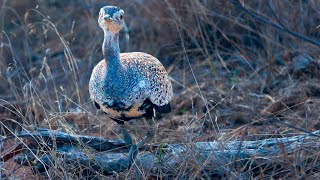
(128, 86)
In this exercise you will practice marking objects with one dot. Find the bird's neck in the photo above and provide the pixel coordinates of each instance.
(111, 50)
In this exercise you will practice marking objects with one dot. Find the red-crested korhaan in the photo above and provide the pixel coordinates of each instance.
(130, 85)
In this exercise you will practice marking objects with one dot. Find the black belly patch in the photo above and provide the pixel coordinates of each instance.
(97, 105)
(161, 109)
(147, 106)
(117, 106)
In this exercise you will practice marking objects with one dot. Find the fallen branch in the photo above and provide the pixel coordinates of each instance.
(45, 135)
(106, 157)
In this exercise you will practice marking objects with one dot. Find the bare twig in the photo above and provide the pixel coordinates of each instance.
(276, 26)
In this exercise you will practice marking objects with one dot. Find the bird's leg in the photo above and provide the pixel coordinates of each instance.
(128, 140)
(133, 152)
(149, 134)
(126, 136)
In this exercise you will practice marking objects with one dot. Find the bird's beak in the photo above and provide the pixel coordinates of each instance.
(107, 17)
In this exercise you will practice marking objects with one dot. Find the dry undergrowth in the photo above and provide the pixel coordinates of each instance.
(234, 77)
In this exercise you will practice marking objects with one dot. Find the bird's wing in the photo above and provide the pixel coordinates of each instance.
(160, 88)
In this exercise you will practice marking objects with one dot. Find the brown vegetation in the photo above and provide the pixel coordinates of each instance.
(234, 76)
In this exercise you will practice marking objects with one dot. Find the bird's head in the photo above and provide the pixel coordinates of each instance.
(111, 18)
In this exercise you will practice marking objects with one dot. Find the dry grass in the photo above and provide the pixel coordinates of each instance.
(234, 77)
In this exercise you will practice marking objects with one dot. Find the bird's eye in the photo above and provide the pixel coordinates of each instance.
(121, 16)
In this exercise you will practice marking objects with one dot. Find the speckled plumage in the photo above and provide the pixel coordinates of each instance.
(127, 85)
(143, 77)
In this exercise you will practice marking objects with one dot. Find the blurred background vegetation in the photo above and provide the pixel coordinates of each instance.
(234, 76)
